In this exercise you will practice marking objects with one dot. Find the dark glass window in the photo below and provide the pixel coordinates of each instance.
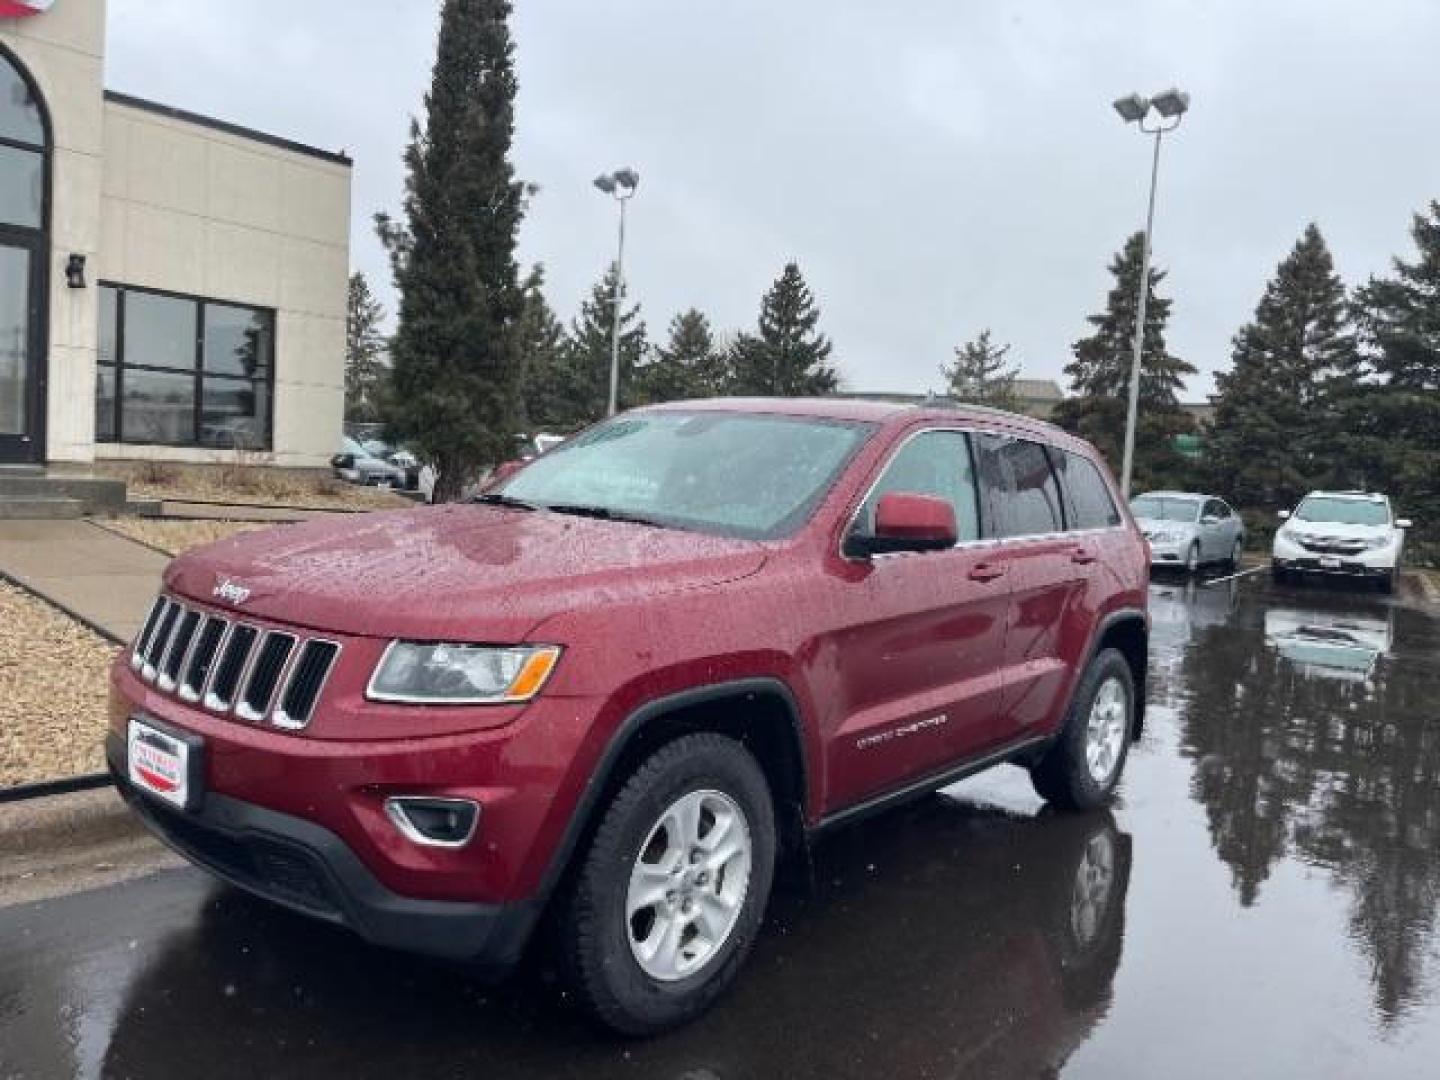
(22, 186)
(1088, 502)
(933, 463)
(1021, 495)
(181, 371)
(19, 112)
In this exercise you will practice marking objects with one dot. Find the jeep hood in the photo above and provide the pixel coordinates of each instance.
(457, 572)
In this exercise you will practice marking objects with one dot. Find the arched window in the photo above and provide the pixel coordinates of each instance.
(24, 138)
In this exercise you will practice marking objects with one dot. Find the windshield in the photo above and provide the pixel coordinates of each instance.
(735, 474)
(1161, 508)
(1343, 511)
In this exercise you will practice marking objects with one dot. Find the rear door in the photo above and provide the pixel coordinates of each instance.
(1048, 569)
(917, 656)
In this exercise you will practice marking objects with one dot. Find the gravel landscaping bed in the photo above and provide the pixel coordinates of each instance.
(247, 484)
(177, 536)
(53, 692)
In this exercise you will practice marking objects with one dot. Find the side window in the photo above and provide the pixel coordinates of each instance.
(932, 463)
(1022, 497)
(1213, 509)
(1088, 504)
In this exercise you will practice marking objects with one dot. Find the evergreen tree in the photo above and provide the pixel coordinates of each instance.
(542, 351)
(1276, 409)
(456, 358)
(1395, 420)
(689, 365)
(575, 390)
(787, 356)
(1100, 378)
(981, 376)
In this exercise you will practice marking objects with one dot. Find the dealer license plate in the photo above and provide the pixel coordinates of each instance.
(1329, 562)
(159, 763)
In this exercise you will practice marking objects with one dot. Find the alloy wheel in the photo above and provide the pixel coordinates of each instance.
(688, 885)
(1105, 730)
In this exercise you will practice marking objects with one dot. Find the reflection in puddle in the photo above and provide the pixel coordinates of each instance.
(1342, 645)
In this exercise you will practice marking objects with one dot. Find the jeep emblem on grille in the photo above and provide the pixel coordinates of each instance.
(230, 591)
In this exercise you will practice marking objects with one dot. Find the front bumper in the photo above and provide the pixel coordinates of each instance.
(1374, 563)
(307, 868)
(1168, 552)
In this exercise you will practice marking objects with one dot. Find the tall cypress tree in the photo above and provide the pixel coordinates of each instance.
(981, 374)
(1100, 378)
(1396, 418)
(457, 363)
(688, 365)
(787, 356)
(364, 348)
(1273, 409)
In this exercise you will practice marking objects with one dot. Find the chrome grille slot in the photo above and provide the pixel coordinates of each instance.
(155, 648)
(202, 657)
(179, 649)
(137, 654)
(302, 686)
(265, 672)
(231, 667)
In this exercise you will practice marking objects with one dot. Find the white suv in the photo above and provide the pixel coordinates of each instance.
(1350, 533)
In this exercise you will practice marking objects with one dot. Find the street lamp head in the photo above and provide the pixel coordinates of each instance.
(1132, 108)
(606, 183)
(627, 178)
(1171, 103)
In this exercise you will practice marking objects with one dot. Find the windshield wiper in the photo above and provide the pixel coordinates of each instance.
(604, 513)
(505, 500)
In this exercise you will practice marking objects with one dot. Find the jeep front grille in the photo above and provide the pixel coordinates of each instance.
(232, 667)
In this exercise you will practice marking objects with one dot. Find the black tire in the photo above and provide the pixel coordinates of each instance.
(1236, 550)
(1279, 575)
(1386, 584)
(1062, 777)
(595, 950)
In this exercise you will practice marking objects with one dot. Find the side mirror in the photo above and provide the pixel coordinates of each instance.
(910, 522)
(343, 461)
(502, 472)
(1403, 523)
(1283, 515)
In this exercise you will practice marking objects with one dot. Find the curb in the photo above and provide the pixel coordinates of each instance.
(69, 821)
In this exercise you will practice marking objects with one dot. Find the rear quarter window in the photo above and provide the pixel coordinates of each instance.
(1088, 502)
(1021, 495)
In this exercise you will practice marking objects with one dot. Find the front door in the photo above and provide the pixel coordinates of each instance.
(21, 372)
(916, 663)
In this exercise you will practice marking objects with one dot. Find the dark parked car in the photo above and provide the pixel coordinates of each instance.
(622, 684)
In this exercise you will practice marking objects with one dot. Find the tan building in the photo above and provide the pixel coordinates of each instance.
(171, 286)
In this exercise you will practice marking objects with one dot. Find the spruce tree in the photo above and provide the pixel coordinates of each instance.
(1274, 409)
(688, 365)
(1100, 378)
(1395, 419)
(980, 374)
(456, 358)
(787, 356)
(577, 389)
(364, 351)
(542, 350)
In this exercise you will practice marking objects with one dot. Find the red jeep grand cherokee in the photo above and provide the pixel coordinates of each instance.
(621, 685)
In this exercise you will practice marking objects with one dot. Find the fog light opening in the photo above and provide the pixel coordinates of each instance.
(434, 822)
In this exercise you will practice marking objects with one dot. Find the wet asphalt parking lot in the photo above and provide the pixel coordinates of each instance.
(1261, 901)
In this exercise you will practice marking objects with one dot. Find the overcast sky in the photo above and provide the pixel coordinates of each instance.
(936, 167)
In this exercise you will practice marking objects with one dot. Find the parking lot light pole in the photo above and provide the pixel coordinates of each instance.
(620, 185)
(1171, 105)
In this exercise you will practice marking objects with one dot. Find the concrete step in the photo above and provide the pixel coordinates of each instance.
(98, 494)
(35, 509)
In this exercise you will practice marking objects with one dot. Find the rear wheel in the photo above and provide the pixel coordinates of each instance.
(671, 892)
(1082, 767)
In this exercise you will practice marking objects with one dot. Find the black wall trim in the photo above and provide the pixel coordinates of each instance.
(224, 125)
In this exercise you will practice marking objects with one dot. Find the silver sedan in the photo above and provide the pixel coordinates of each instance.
(1187, 530)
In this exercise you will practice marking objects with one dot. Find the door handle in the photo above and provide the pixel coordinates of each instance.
(986, 572)
(1083, 556)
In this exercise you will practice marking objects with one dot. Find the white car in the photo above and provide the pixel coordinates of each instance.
(1186, 530)
(1343, 533)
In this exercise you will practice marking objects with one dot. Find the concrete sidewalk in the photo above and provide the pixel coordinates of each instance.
(102, 577)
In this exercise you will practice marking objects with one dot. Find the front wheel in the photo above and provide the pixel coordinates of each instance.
(1386, 582)
(1237, 550)
(671, 892)
(1083, 765)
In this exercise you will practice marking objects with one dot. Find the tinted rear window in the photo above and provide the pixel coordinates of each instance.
(1089, 504)
(1021, 495)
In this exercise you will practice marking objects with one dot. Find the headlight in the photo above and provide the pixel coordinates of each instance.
(1165, 536)
(461, 674)
(1375, 542)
